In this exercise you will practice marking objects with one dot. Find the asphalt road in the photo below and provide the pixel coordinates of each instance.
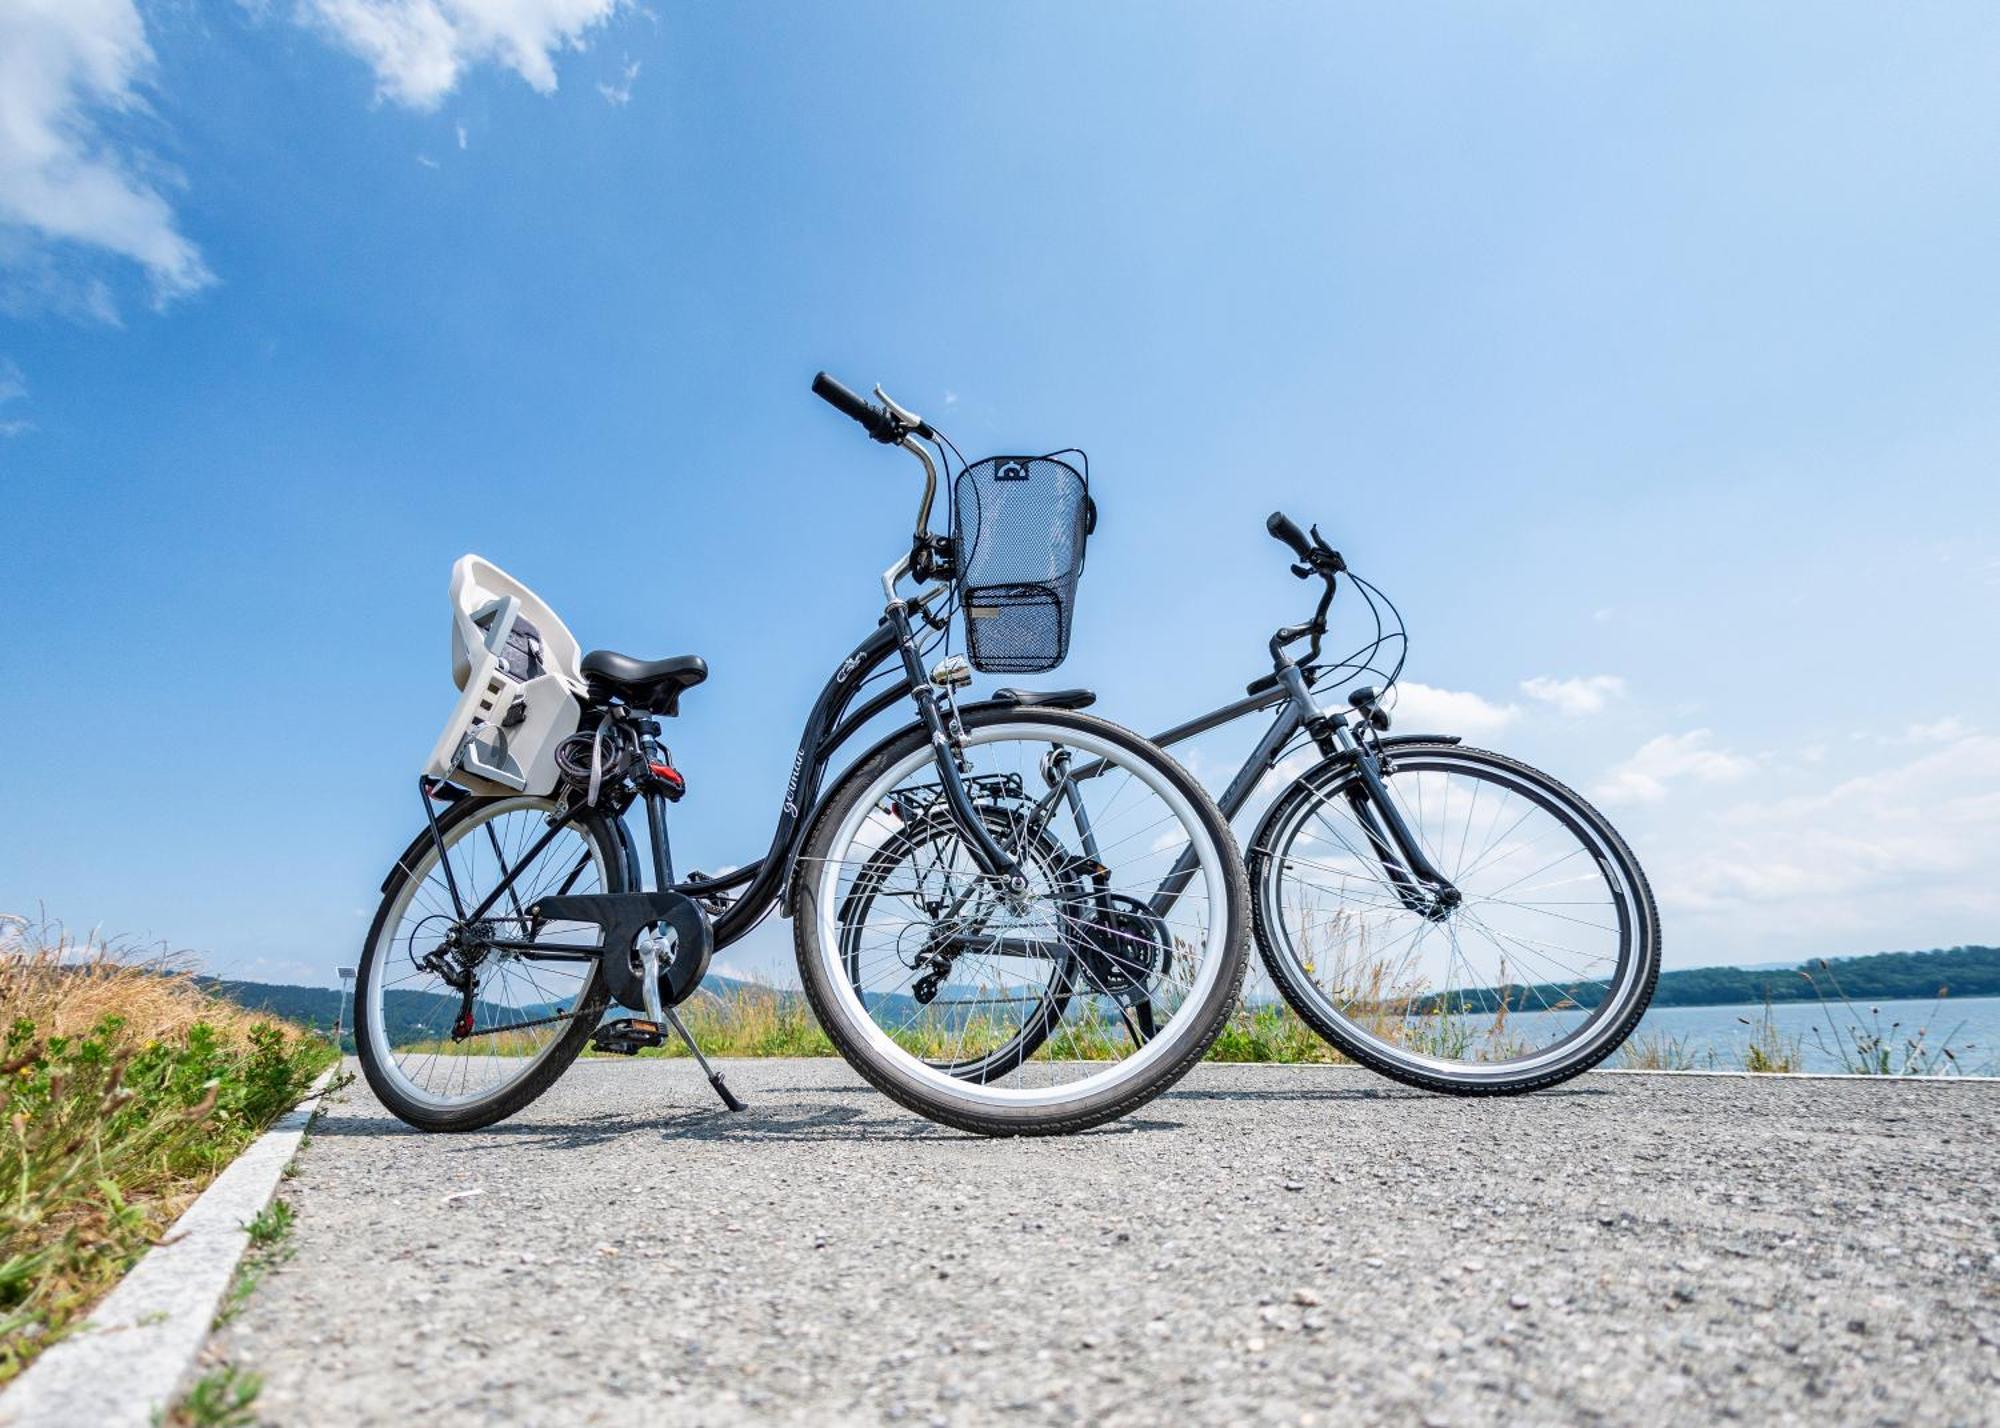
(1266, 1244)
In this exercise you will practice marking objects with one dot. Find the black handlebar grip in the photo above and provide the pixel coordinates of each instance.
(1287, 530)
(877, 422)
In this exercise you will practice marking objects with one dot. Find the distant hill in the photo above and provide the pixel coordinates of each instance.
(1881, 977)
(411, 1016)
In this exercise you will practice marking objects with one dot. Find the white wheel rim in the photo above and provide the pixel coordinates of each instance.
(861, 1027)
(382, 953)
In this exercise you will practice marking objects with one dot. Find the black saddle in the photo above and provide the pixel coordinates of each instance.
(654, 685)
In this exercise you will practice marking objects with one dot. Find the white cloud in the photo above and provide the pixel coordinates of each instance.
(619, 91)
(1586, 694)
(1938, 731)
(1644, 778)
(1421, 708)
(65, 183)
(462, 136)
(13, 387)
(418, 49)
(1898, 856)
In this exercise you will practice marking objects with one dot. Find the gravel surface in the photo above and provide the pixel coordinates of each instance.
(1265, 1244)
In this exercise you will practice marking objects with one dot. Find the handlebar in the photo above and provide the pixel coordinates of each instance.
(1287, 530)
(876, 421)
(1316, 557)
(894, 425)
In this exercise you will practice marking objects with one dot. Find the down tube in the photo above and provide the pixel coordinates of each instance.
(1231, 803)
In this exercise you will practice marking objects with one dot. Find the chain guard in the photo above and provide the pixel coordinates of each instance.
(623, 917)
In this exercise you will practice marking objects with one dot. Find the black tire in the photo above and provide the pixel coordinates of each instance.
(962, 1108)
(552, 1062)
(1633, 989)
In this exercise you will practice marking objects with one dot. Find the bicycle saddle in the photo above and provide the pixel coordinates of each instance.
(654, 685)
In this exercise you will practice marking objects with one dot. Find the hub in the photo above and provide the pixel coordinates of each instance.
(1444, 904)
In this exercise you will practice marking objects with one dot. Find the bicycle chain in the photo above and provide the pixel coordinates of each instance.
(519, 1025)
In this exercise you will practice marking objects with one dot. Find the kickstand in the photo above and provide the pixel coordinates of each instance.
(714, 1077)
(649, 964)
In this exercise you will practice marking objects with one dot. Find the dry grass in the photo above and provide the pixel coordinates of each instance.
(1382, 995)
(1770, 1050)
(1868, 1048)
(754, 1020)
(1657, 1051)
(66, 988)
(124, 1089)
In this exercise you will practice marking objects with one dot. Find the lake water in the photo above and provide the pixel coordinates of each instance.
(1970, 1026)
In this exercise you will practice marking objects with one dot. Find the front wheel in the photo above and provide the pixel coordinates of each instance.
(1538, 973)
(1029, 1010)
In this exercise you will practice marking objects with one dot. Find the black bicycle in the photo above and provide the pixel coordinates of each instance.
(1447, 916)
(1009, 915)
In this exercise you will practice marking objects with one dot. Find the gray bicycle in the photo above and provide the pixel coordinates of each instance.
(1447, 916)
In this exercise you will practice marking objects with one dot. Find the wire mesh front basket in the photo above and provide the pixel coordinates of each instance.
(1018, 529)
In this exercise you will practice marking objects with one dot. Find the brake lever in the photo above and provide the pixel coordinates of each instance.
(902, 413)
(1335, 562)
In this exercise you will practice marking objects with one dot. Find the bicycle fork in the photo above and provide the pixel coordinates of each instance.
(1416, 881)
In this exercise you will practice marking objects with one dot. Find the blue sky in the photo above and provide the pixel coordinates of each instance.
(1645, 354)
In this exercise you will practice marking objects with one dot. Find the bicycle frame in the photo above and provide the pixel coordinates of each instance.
(828, 728)
(1409, 870)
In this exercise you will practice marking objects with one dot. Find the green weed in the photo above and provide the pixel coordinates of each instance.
(221, 1398)
(108, 1132)
(270, 1224)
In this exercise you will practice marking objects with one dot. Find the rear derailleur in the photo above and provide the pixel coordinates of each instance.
(455, 961)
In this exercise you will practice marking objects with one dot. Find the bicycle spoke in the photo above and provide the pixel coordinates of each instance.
(1499, 978)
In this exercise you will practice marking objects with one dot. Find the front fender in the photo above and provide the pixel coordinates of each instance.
(901, 731)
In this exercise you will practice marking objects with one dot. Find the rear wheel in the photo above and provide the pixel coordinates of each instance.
(1539, 973)
(1024, 1011)
(530, 1018)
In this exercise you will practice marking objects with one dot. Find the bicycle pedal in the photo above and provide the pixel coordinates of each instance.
(628, 1036)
